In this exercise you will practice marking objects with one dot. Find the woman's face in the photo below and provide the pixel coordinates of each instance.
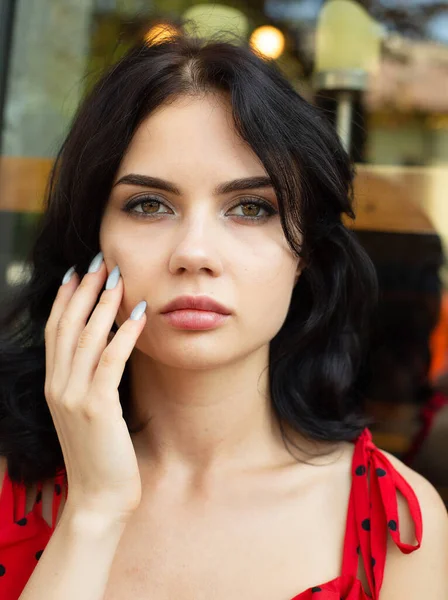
(196, 239)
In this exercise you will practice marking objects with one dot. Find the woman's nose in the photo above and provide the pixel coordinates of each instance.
(196, 248)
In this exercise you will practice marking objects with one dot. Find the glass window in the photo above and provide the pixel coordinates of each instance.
(51, 51)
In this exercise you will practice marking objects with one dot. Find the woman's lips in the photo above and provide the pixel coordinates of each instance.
(199, 302)
(195, 319)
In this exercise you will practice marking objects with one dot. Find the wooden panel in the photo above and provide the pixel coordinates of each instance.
(392, 199)
(401, 199)
(22, 183)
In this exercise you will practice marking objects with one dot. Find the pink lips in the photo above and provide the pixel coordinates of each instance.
(196, 303)
(195, 312)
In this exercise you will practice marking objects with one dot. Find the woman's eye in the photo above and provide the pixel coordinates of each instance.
(251, 209)
(148, 207)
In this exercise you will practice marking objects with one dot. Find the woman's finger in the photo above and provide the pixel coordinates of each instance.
(94, 337)
(112, 362)
(65, 292)
(72, 322)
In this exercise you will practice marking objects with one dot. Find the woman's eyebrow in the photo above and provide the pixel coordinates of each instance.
(247, 183)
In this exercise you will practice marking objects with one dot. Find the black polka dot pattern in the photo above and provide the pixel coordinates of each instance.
(366, 524)
(392, 525)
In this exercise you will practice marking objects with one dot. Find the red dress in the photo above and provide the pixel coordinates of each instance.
(372, 515)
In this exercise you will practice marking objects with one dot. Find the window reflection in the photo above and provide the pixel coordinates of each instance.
(400, 145)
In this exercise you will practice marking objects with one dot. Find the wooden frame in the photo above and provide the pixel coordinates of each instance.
(401, 199)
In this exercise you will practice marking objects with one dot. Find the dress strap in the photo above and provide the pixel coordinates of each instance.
(12, 500)
(373, 512)
(7, 501)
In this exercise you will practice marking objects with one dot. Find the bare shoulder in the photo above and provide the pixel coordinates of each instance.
(431, 503)
(424, 572)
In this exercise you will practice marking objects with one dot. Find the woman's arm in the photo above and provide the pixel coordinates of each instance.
(424, 573)
(77, 560)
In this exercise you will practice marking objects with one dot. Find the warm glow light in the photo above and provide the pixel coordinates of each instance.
(268, 41)
(159, 33)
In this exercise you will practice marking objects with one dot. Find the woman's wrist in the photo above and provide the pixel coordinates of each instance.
(88, 521)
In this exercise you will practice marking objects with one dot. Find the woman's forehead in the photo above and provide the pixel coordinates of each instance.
(192, 133)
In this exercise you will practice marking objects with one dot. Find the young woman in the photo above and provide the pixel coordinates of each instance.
(190, 429)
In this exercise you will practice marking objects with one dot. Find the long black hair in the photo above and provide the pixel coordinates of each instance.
(315, 356)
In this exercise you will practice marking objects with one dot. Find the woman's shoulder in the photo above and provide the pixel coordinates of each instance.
(422, 573)
(426, 493)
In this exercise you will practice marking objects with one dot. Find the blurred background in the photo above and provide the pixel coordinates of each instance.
(379, 71)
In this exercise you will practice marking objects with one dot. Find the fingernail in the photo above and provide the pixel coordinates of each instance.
(96, 263)
(138, 311)
(113, 278)
(68, 275)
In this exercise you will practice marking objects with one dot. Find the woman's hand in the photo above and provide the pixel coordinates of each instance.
(83, 372)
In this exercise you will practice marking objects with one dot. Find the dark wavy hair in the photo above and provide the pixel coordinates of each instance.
(316, 355)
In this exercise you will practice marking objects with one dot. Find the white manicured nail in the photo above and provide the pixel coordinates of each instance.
(113, 278)
(138, 311)
(68, 275)
(96, 263)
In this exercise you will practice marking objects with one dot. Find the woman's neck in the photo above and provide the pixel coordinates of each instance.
(201, 420)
